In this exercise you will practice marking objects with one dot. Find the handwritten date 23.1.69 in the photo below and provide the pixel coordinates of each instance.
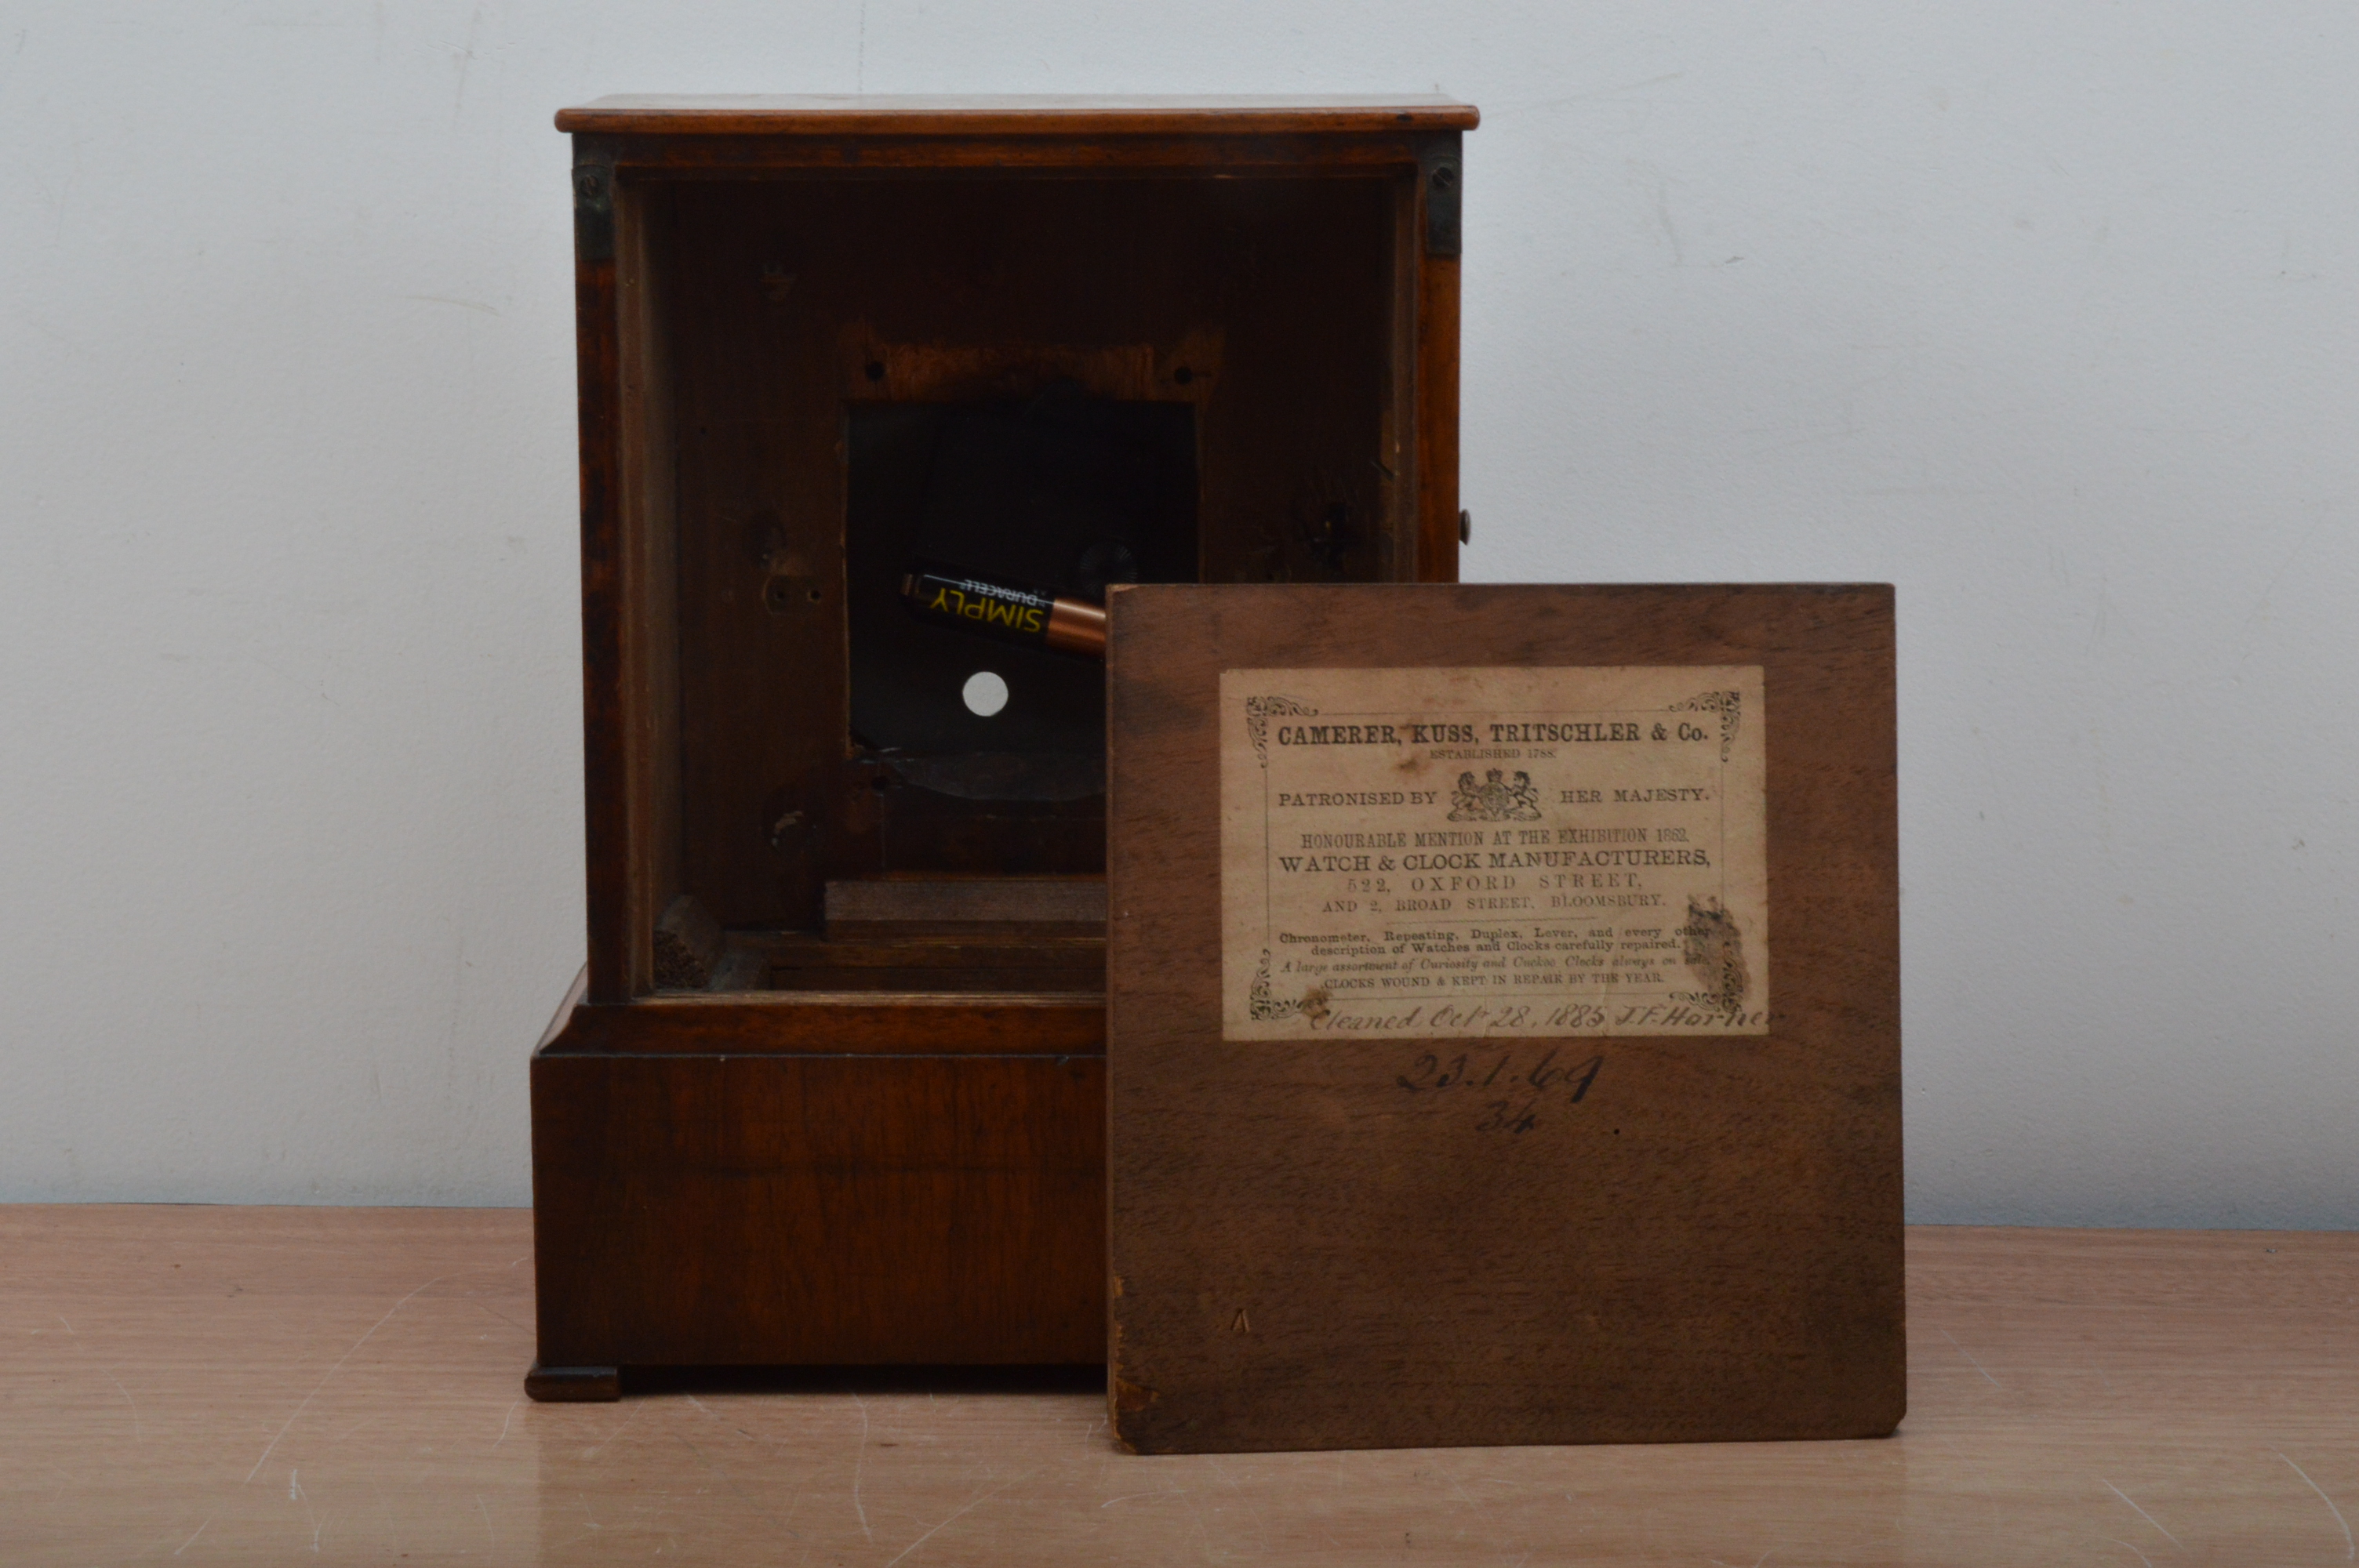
(1519, 1110)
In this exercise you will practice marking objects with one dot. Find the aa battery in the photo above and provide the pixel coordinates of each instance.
(1014, 614)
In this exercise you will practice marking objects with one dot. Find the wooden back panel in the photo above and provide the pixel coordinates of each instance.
(1708, 1247)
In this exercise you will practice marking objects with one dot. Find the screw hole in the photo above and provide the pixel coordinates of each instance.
(1183, 375)
(876, 370)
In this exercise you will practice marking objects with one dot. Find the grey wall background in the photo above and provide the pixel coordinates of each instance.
(2043, 312)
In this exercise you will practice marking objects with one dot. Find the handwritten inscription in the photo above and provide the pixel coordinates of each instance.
(1599, 868)
(1521, 1091)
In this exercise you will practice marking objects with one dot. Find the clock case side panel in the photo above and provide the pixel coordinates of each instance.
(630, 554)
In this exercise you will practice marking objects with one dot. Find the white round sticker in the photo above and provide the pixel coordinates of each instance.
(985, 694)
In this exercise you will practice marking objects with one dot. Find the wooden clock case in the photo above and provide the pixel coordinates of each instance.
(831, 1087)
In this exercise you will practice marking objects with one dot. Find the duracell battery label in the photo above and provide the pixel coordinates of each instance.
(980, 606)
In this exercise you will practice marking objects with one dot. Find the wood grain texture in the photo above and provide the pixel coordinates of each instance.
(840, 1209)
(605, 675)
(1074, 965)
(922, 115)
(646, 447)
(1058, 905)
(1436, 419)
(201, 1384)
(629, 592)
(865, 155)
(764, 708)
(1709, 1246)
(848, 1023)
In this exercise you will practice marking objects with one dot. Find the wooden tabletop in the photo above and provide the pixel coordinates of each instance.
(1032, 115)
(194, 1385)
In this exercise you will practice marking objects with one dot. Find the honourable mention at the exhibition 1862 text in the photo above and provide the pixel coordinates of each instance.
(1444, 853)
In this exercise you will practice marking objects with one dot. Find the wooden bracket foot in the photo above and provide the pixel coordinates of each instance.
(573, 1385)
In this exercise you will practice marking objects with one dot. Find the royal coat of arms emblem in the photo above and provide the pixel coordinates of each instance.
(1494, 799)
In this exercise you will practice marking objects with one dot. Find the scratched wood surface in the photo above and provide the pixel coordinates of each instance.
(220, 1385)
(1706, 1248)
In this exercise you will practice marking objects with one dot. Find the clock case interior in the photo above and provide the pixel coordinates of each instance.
(1053, 382)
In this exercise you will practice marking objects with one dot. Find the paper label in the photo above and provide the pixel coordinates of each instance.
(1439, 853)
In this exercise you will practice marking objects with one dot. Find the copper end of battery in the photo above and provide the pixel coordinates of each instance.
(1077, 628)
